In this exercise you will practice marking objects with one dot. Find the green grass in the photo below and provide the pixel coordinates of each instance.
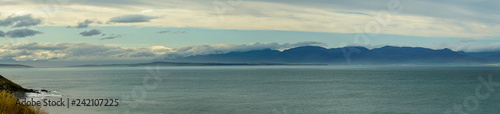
(6, 84)
(8, 105)
(8, 100)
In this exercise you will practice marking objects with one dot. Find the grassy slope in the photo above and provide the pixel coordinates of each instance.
(6, 84)
(8, 105)
(8, 100)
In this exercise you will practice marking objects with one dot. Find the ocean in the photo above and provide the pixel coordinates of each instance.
(269, 89)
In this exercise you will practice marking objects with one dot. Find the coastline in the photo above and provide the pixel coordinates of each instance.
(10, 95)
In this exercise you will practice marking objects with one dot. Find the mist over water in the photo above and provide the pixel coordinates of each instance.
(266, 89)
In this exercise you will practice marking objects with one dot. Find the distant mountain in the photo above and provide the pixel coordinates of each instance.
(186, 64)
(491, 57)
(346, 55)
(14, 66)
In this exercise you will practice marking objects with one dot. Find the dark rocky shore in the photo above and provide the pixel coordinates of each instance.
(19, 91)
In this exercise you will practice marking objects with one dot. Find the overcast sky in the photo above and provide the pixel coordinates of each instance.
(70, 30)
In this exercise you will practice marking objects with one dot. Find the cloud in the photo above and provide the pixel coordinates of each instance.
(446, 9)
(357, 13)
(165, 31)
(96, 52)
(75, 51)
(467, 40)
(20, 21)
(20, 33)
(131, 19)
(91, 32)
(2, 34)
(446, 18)
(85, 24)
(469, 47)
(225, 48)
(173, 32)
(147, 11)
(111, 37)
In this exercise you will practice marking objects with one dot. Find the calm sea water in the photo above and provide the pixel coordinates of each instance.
(269, 89)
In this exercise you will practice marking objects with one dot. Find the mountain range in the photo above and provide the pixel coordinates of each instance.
(350, 55)
(315, 55)
(160, 63)
(14, 66)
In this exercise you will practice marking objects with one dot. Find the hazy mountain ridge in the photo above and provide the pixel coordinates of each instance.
(14, 66)
(349, 55)
(160, 63)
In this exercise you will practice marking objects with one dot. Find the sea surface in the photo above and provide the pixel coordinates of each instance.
(270, 89)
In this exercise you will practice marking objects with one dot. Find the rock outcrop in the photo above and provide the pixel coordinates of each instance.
(19, 92)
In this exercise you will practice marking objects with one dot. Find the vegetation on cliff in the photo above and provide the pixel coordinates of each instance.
(9, 93)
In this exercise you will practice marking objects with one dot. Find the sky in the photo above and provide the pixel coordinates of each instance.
(58, 31)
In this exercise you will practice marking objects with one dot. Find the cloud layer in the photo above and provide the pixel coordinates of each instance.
(19, 33)
(131, 19)
(447, 18)
(85, 24)
(91, 32)
(469, 47)
(15, 21)
(111, 37)
(20, 21)
(91, 51)
(225, 48)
